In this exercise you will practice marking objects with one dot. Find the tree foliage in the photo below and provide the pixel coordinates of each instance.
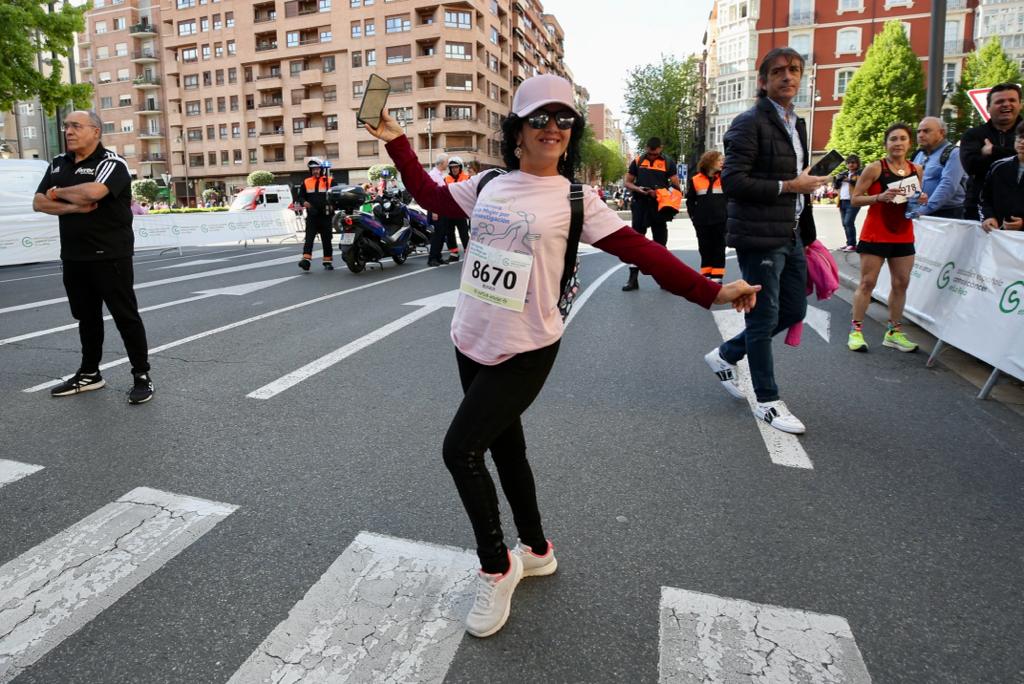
(886, 89)
(145, 190)
(374, 172)
(601, 159)
(259, 178)
(983, 68)
(30, 31)
(662, 101)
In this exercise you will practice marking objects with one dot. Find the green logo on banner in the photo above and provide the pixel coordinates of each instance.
(26, 242)
(1010, 301)
(943, 279)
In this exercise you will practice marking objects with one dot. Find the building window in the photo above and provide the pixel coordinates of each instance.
(206, 52)
(212, 156)
(325, 36)
(459, 112)
(192, 108)
(331, 122)
(801, 42)
(357, 59)
(294, 68)
(494, 35)
(211, 133)
(949, 74)
(108, 127)
(848, 42)
(216, 22)
(222, 104)
(100, 27)
(124, 101)
(291, 38)
(851, 6)
(231, 47)
(223, 131)
(459, 81)
(401, 114)
(204, 24)
(371, 58)
(123, 75)
(843, 81)
(190, 81)
(237, 155)
(357, 88)
(236, 130)
(369, 28)
(218, 50)
(399, 54)
(325, 5)
(127, 125)
(458, 50)
(328, 64)
(397, 24)
(189, 55)
(354, 3)
(456, 19)
(229, 22)
(330, 93)
(233, 75)
(252, 156)
(106, 102)
(121, 49)
(366, 148)
(401, 84)
(187, 28)
(357, 29)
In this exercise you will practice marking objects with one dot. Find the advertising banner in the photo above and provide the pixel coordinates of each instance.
(967, 289)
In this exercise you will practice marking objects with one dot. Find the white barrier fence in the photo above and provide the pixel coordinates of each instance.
(967, 289)
(29, 238)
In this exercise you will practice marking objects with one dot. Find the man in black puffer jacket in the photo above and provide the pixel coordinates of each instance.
(769, 223)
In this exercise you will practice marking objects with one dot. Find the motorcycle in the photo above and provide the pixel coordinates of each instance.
(392, 212)
(364, 238)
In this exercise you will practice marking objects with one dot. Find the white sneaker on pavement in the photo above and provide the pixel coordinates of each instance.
(778, 416)
(534, 565)
(725, 371)
(494, 599)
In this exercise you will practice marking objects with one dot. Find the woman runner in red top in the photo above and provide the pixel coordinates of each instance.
(885, 187)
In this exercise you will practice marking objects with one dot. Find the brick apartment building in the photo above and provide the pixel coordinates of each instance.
(210, 90)
(607, 127)
(833, 36)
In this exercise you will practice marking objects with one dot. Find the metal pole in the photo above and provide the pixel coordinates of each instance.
(936, 56)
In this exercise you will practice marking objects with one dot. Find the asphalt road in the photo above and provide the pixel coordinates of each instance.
(909, 525)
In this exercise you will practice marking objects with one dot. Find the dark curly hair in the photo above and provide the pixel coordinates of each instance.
(567, 167)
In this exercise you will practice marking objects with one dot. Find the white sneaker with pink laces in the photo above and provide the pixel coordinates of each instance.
(494, 599)
(534, 565)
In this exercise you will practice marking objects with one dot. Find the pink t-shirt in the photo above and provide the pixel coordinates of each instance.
(528, 214)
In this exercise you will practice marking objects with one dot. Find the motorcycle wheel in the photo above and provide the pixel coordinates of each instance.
(354, 260)
(400, 258)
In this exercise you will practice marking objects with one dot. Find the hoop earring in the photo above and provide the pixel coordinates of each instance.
(518, 152)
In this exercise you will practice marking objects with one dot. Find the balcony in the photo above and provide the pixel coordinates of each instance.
(263, 46)
(801, 17)
(313, 134)
(174, 119)
(146, 82)
(956, 4)
(311, 77)
(954, 47)
(150, 108)
(268, 81)
(314, 105)
(153, 158)
(142, 30)
(84, 39)
(272, 137)
(144, 56)
(150, 133)
(274, 108)
(85, 65)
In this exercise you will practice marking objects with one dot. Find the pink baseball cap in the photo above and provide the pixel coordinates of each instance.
(537, 91)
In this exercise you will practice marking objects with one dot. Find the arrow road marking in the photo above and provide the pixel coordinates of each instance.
(236, 290)
(783, 448)
(819, 320)
(166, 281)
(387, 610)
(186, 264)
(232, 326)
(51, 591)
(427, 306)
(12, 471)
(707, 638)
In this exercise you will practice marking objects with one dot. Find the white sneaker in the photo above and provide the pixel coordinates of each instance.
(778, 416)
(534, 565)
(725, 371)
(494, 599)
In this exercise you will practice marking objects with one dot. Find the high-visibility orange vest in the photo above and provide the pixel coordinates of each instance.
(317, 183)
(462, 176)
(669, 198)
(702, 184)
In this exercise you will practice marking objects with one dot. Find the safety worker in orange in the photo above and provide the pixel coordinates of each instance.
(313, 196)
(446, 226)
(647, 174)
(705, 204)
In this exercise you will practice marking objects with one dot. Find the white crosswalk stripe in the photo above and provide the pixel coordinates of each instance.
(12, 471)
(710, 639)
(52, 590)
(387, 610)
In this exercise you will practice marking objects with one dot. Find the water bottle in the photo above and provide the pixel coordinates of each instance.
(913, 206)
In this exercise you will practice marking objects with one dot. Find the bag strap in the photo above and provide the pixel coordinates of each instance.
(489, 175)
(575, 232)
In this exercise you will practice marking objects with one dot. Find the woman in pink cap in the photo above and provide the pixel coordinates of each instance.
(507, 324)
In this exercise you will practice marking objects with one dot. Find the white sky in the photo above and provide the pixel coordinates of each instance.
(604, 39)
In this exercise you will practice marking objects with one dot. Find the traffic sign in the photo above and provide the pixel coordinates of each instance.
(978, 99)
(167, 178)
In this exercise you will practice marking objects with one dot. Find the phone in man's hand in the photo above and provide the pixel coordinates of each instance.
(374, 98)
(827, 164)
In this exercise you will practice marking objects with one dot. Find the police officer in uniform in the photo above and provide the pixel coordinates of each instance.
(313, 196)
(89, 189)
(648, 173)
(445, 226)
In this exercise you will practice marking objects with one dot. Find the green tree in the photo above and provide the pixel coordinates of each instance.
(374, 172)
(31, 31)
(662, 100)
(984, 68)
(145, 190)
(210, 195)
(887, 88)
(259, 178)
(613, 167)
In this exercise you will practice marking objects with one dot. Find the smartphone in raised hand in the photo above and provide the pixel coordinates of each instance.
(374, 98)
(827, 164)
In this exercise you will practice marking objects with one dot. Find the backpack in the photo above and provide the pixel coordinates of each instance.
(569, 286)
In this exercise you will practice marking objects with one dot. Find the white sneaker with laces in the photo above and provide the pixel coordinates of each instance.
(534, 565)
(778, 416)
(494, 599)
(725, 371)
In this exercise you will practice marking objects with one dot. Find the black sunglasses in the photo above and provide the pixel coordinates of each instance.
(563, 119)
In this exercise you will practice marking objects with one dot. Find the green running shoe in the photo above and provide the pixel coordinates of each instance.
(856, 341)
(897, 340)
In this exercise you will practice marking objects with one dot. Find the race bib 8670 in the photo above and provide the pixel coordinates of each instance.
(496, 276)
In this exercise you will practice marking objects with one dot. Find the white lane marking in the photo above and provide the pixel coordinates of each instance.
(783, 448)
(387, 610)
(167, 281)
(707, 638)
(186, 264)
(237, 290)
(427, 306)
(54, 589)
(819, 320)
(590, 289)
(232, 326)
(12, 471)
(45, 275)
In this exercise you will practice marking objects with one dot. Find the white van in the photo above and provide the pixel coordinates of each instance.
(265, 198)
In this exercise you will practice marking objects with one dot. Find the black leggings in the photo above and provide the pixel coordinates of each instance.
(711, 245)
(489, 418)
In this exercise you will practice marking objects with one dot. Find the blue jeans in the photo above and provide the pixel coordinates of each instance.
(848, 212)
(782, 302)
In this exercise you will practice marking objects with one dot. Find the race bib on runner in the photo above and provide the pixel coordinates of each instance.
(905, 187)
(496, 276)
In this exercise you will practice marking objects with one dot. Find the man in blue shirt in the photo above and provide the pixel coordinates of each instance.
(943, 173)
